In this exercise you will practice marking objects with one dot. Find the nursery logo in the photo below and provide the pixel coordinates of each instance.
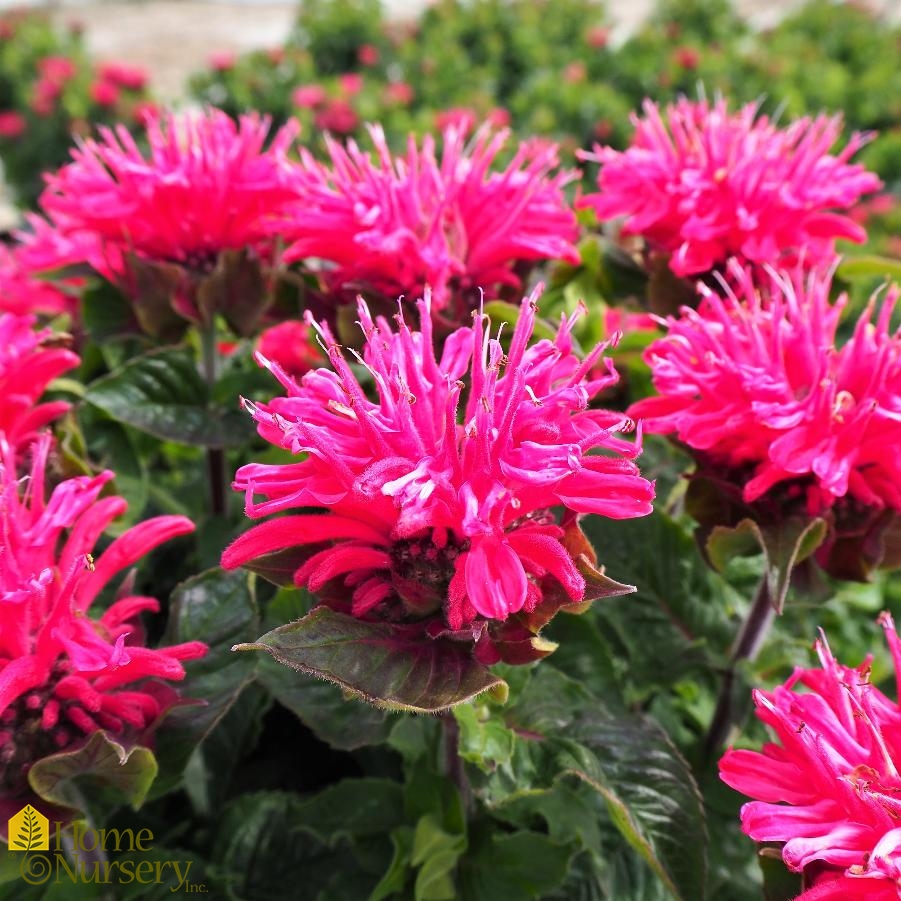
(80, 855)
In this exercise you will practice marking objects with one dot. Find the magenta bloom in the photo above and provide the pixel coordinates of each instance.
(290, 346)
(29, 361)
(65, 674)
(438, 495)
(755, 384)
(830, 788)
(21, 292)
(394, 225)
(702, 185)
(208, 185)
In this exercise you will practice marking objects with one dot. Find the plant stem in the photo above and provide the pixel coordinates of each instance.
(746, 647)
(453, 763)
(215, 456)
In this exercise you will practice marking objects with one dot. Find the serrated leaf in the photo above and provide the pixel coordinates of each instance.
(646, 786)
(130, 771)
(515, 867)
(219, 609)
(341, 722)
(784, 545)
(162, 393)
(388, 665)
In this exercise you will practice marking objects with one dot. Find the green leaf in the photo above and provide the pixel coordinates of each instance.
(435, 853)
(388, 665)
(264, 848)
(106, 312)
(218, 608)
(128, 771)
(646, 786)
(784, 545)
(484, 740)
(779, 883)
(512, 867)
(163, 394)
(352, 808)
(870, 266)
(341, 722)
(502, 311)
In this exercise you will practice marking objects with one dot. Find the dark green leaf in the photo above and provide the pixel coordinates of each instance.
(217, 608)
(512, 867)
(387, 665)
(128, 771)
(870, 266)
(163, 394)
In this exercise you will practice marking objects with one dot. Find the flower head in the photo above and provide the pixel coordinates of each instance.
(830, 788)
(289, 345)
(22, 292)
(756, 385)
(64, 673)
(702, 184)
(209, 187)
(29, 361)
(440, 493)
(396, 224)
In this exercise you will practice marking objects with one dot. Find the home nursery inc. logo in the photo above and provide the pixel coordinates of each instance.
(80, 854)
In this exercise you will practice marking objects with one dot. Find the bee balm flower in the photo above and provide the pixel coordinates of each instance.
(439, 495)
(65, 674)
(702, 185)
(757, 387)
(394, 224)
(830, 789)
(29, 361)
(208, 187)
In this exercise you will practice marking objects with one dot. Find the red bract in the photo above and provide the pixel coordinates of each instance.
(440, 493)
(755, 383)
(208, 185)
(63, 673)
(28, 363)
(702, 185)
(396, 224)
(830, 788)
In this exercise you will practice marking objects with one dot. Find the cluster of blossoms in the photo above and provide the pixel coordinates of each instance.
(209, 187)
(439, 496)
(830, 789)
(29, 361)
(756, 386)
(395, 225)
(701, 185)
(63, 673)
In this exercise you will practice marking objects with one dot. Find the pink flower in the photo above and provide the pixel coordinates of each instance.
(29, 361)
(393, 225)
(399, 93)
(830, 788)
(12, 124)
(337, 116)
(309, 96)
(57, 69)
(21, 292)
(65, 674)
(702, 185)
(104, 93)
(436, 507)
(351, 83)
(597, 37)
(756, 385)
(460, 118)
(132, 78)
(289, 347)
(208, 185)
(223, 60)
(368, 55)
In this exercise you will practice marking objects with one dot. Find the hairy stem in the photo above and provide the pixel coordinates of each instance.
(747, 646)
(215, 456)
